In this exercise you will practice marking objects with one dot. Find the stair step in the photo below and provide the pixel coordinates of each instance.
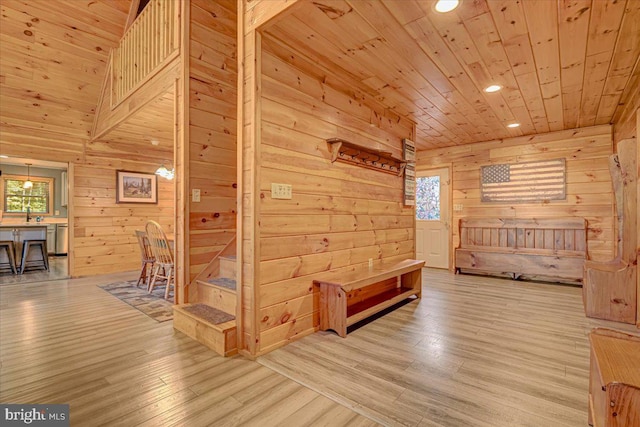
(223, 282)
(228, 266)
(217, 295)
(207, 325)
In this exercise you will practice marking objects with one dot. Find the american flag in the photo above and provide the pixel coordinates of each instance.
(524, 182)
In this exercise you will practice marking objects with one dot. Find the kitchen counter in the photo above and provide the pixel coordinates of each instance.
(26, 224)
(19, 233)
(33, 222)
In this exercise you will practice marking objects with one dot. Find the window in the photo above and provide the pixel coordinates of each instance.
(428, 198)
(16, 199)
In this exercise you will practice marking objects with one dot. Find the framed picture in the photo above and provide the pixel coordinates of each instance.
(136, 187)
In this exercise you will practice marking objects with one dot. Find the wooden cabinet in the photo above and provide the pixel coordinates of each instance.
(614, 380)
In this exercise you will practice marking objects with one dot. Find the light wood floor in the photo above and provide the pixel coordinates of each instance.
(58, 269)
(473, 351)
(68, 341)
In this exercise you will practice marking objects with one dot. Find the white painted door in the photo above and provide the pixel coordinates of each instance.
(432, 217)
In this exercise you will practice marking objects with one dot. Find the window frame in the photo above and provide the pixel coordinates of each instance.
(50, 205)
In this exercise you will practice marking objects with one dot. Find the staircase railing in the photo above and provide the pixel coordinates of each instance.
(151, 42)
(212, 269)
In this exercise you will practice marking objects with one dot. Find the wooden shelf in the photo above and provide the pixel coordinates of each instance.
(366, 308)
(370, 158)
(340, 300)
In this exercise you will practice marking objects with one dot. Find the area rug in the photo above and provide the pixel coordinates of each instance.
(153, 305)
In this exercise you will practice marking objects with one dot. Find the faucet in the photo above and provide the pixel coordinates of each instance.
(28, 213)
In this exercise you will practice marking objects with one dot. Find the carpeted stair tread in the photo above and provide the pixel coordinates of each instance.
(210, 314)
(223, 282)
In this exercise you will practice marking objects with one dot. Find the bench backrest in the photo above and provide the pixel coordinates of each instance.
(542, 234)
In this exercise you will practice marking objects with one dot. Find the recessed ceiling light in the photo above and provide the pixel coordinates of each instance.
(492, 88)
(2, 156)
(444, 6)
(155, 142)
(513, 125)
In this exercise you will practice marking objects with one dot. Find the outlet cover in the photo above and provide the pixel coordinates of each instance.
(195, 195)
(281, 191)
(458, 207)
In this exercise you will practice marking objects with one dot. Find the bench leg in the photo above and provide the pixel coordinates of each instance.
(412, 280)
(333, 309)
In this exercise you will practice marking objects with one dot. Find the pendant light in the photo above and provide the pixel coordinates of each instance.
(165, 173)
(28, 184)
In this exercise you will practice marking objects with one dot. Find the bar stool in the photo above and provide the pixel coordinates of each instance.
(7, 246)
(34, 249)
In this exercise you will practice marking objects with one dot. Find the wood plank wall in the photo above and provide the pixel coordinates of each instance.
(212, 133)
(104, 231)
(340, 215)
(589, 190)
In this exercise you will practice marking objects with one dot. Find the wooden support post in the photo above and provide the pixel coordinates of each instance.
(251, 16)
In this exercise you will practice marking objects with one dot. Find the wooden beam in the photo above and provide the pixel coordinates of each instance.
(181, 160)
(258, 12)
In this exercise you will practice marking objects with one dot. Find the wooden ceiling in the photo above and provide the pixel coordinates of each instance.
(562, 63)
(53, 56)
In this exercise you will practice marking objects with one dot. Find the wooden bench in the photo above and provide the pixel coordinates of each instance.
(553, 249)
(350, 297)
(614, 378)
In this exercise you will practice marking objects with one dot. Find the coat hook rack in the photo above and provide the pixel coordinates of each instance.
(370, 158)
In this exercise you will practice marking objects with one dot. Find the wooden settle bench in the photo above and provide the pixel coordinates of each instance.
(552, 249)
(609, 290)
(347, 298)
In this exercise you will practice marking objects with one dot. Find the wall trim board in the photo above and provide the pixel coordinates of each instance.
(181, 152)
(71, 218)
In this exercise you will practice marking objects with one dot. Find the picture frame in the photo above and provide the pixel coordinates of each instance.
(136, 187)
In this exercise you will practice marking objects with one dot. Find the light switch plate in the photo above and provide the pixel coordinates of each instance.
(195, 195)
(281, 191)
(457, 207)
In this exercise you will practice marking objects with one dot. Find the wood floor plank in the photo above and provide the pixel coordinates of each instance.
(68, 341)
(474, 351)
